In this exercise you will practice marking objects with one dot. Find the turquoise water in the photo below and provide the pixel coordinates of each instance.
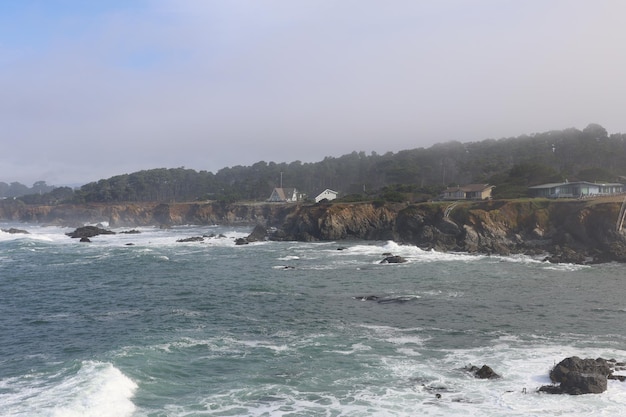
(160, 328)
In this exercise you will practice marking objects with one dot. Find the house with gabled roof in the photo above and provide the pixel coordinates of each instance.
(468, 192)
(327, 194)
(284, 195)
(576, 189)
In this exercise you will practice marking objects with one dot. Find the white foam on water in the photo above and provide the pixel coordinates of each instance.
(35, 233)
(96, 389)
(523, 368)
(289, 258)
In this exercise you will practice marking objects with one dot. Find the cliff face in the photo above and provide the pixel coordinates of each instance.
(570, 231)
(143, 214)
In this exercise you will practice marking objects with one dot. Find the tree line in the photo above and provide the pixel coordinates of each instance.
(511, 164)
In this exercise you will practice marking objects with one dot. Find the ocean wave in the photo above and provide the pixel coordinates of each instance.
(86, 389)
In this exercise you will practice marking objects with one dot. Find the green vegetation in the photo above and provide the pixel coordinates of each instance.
(416, 175)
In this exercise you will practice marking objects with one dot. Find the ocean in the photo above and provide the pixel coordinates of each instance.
(142, 325)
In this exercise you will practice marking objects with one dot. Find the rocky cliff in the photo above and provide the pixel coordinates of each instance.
(566, 231)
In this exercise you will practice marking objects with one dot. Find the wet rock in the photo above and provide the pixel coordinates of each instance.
(89, 231)
(259, 234)
(485, 372)
(367, 297)
(191, 239)
(394, 259)
(14, 231)
(577, 376)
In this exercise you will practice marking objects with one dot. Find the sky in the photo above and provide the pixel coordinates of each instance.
(90, 90)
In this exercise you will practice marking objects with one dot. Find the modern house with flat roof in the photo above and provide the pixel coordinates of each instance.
(577, 189)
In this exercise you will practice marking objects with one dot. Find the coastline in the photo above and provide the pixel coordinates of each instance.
(574, 231)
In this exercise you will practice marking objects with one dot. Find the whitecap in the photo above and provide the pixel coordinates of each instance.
(93, 389)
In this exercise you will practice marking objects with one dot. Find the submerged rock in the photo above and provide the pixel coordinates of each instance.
(191, 239)
(14, 231)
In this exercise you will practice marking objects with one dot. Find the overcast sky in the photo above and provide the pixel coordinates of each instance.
(93, 89)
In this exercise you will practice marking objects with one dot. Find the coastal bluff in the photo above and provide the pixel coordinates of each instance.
(576, 231)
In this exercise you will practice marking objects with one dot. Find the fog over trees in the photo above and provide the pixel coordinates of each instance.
(511, 164)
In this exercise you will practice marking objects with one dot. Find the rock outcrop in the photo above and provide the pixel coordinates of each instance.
(564, 231)
(577, 376)
(574, 231)
(86, 232)
(484, 372)
(393, 259)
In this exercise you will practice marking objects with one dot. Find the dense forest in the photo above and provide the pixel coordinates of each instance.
(511, 164)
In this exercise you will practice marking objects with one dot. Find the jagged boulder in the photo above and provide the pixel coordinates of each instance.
(577, 376)
(484, 372)
(89, 231)
(259, 233)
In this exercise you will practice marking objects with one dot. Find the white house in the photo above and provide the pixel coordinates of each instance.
(576, 189)
(284, 195)
(326, 194)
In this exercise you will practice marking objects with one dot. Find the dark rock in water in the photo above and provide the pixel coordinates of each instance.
(341, 248)
(386, 300)
(85, 240)
(401, 299)
(579, 376)
(14, 231)
(89, 231)
(566, 255)
(483, 373)
(259, 234)
(130, 232)
(367, 297)
(130, 244)
(393, 259)
(241, 241)
(191, 239)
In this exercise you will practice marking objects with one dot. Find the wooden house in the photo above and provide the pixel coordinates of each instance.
(468, 192)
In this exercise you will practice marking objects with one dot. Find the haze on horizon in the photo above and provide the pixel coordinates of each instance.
(95, 89)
